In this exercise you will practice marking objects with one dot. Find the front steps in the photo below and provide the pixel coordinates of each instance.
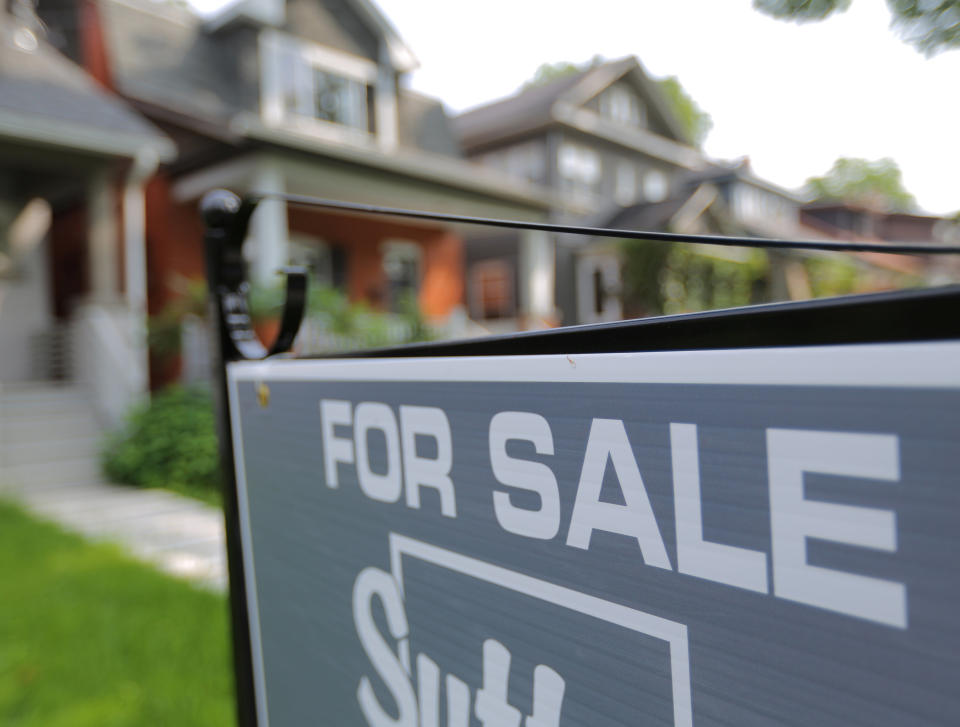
(50, 444)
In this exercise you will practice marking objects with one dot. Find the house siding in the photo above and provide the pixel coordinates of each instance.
(362, 240)
(331, 23)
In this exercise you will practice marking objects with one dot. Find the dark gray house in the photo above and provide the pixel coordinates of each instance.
(600, 141)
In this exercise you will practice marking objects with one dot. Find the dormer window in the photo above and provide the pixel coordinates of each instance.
(622, 106)
(315, 88)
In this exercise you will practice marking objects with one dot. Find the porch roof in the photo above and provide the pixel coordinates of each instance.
(46, 100)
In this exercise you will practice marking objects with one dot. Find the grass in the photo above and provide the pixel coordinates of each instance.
(89, 637)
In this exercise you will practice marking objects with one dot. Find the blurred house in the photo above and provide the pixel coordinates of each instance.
(599, 140)
(856, 221)
(607, 145)
(74, 159)
(298, 96)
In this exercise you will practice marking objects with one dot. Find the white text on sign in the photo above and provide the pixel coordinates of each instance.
(790, 454)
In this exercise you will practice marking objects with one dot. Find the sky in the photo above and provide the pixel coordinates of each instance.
(791, 97)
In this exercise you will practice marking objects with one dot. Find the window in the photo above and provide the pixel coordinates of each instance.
(622, 106)
(306, 83)
(625, 184)
(401, 268)
(751, 203)
(523, 161)
(655, 186)
(491, 290)
(579, 168)
(315, 255)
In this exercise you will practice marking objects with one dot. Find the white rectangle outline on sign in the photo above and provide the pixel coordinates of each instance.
(675, 634)
(902, 365)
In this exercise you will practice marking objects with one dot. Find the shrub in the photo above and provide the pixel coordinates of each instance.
(170, 442)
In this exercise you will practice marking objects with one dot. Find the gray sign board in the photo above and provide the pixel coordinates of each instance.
(735, 537)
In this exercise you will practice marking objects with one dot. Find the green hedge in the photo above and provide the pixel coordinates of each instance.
(170, 442)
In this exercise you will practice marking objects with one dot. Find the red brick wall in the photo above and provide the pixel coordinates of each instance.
(442, 286)
(174, 243)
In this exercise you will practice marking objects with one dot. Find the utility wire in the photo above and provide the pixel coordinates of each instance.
(901, 248)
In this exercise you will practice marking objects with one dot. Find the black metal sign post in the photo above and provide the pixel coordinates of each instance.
(226, 218)
(740, 517)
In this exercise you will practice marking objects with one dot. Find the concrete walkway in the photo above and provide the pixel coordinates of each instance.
(48, 462)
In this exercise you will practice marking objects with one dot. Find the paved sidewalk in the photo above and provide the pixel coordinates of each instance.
(49, 461)
(181, 536)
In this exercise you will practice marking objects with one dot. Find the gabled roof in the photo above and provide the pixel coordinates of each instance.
(720, 172)
(540, 106)
(272, 13)
(46, 99)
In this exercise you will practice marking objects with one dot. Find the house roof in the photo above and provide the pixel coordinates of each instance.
(424, 124)
(273, 13)
(46, 99)
(563, 102)
(165, 56)
(525, 111)
(720, 172)
(159, 53)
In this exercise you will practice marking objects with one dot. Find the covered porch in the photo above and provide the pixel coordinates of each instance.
(73, 164)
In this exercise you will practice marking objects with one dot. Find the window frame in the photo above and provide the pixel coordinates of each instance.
(277, 49)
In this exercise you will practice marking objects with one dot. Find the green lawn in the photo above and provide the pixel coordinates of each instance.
(89, 637)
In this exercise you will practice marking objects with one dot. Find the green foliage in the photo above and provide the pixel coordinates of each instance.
(163, 329)
(169, 442)
(667, 278)
(89, 638)
(642, 277)
(695, 281)
(549, 72)
(927, 25)
(930, 26)
(831, 276)
(873, 183)
(695, 121)
(801, 10)
(414, 321)
(363, 326)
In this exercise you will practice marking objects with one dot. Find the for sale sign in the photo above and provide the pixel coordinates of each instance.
(735, 537)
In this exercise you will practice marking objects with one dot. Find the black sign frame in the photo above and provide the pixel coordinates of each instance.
(920, 315)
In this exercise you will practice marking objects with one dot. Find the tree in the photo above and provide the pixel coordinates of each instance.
(549, 72)
(930, 26)
(695, 122)
(875, 183)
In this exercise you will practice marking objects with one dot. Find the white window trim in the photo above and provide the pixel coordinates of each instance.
(318, 247)
(272, 44)
(403, 249)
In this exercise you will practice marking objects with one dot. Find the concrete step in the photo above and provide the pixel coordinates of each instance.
(50, 449)
(70, 401)
(68, 471)
(45, 427)
(34, 391)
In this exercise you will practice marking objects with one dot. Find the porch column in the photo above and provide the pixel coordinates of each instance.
(268, 227)
(537, 268)
(102, 239)
(135, 262)
(385, 102)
